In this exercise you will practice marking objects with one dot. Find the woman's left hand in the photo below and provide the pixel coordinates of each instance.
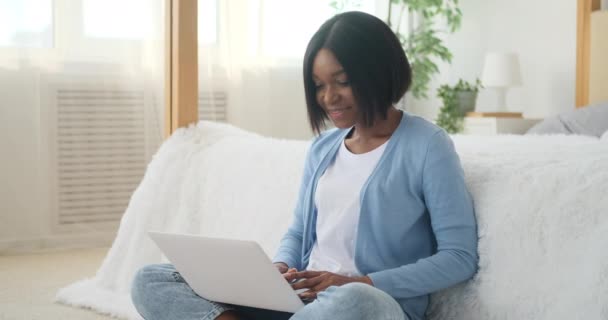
(317, 281)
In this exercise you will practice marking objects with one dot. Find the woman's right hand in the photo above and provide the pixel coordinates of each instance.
(283, 268)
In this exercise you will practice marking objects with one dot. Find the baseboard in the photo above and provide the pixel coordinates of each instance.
(56, 242)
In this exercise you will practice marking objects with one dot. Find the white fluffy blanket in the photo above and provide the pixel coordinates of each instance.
(540, 201)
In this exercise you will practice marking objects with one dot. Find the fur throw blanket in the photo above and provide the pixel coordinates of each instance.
(541, 205)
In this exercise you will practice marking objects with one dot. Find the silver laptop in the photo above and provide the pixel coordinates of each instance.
(229, 271)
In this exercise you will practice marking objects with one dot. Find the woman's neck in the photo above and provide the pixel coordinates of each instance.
(364, 139)
(382, 128)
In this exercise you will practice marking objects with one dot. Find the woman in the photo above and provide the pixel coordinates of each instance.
(383, 216)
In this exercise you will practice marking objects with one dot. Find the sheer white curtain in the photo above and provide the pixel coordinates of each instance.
(254, 61)
(81, 96)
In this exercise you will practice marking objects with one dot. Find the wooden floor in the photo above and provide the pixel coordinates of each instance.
(28, 283)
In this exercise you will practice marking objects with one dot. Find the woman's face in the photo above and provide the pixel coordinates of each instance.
(334, 93)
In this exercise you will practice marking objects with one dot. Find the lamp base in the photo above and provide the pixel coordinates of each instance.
(501, 99)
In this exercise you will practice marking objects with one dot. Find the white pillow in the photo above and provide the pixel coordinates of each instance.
(605, 136)
(589, 121)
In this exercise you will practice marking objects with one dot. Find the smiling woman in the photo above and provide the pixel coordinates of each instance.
(383, 217)
(362, 60)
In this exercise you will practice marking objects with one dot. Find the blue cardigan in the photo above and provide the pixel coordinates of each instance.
(417, 232)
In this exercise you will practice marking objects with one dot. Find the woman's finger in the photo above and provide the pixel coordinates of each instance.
(307, 274)
(308, 295)
(292, 276)
(289, 276)
(281, 266)
(307, 283)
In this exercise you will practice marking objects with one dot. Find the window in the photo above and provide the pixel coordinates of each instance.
(117, 19)
(26, 23)
(288, 24)
(207, 22)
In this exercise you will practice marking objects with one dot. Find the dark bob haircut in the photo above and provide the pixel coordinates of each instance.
(372, 57)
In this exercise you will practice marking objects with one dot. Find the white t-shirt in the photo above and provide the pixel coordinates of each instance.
(338, 206)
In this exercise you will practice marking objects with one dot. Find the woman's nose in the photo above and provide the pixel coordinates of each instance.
(331, 96)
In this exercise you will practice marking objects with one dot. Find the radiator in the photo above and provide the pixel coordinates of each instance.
(103, 132)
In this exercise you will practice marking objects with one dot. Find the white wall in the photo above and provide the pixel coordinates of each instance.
(19, 172)
(271, 102)
(541, 32)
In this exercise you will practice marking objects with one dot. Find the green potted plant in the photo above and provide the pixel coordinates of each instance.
(420, 39)
(457, 101)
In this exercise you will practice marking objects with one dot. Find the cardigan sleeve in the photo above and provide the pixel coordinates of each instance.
(290, 248)
(453, 222)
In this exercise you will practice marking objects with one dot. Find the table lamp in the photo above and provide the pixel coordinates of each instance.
(500, 72)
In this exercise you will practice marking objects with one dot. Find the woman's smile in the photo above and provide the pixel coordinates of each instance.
(337, 113)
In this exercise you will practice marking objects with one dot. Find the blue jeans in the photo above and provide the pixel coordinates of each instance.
(160, 293)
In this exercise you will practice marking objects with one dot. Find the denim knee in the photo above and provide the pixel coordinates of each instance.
(355, 293)
(159, 292)
(369, 299)
(353, 301)
(147, 276)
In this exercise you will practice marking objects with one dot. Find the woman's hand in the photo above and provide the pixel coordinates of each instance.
(283, 268)
(317, 281)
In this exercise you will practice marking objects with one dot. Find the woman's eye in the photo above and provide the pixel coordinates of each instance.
(318, 86)
(343, 82)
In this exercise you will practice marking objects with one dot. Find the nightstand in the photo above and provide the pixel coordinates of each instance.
(488, 123)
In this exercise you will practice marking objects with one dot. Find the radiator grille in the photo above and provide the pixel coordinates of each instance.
(212, 106)
(100, 152)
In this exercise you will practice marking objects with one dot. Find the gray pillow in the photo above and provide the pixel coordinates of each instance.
(590, 121)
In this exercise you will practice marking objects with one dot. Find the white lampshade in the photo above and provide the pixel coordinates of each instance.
(501, 70)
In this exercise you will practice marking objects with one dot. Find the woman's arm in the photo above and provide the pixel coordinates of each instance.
(290, 249)
(453, 221)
